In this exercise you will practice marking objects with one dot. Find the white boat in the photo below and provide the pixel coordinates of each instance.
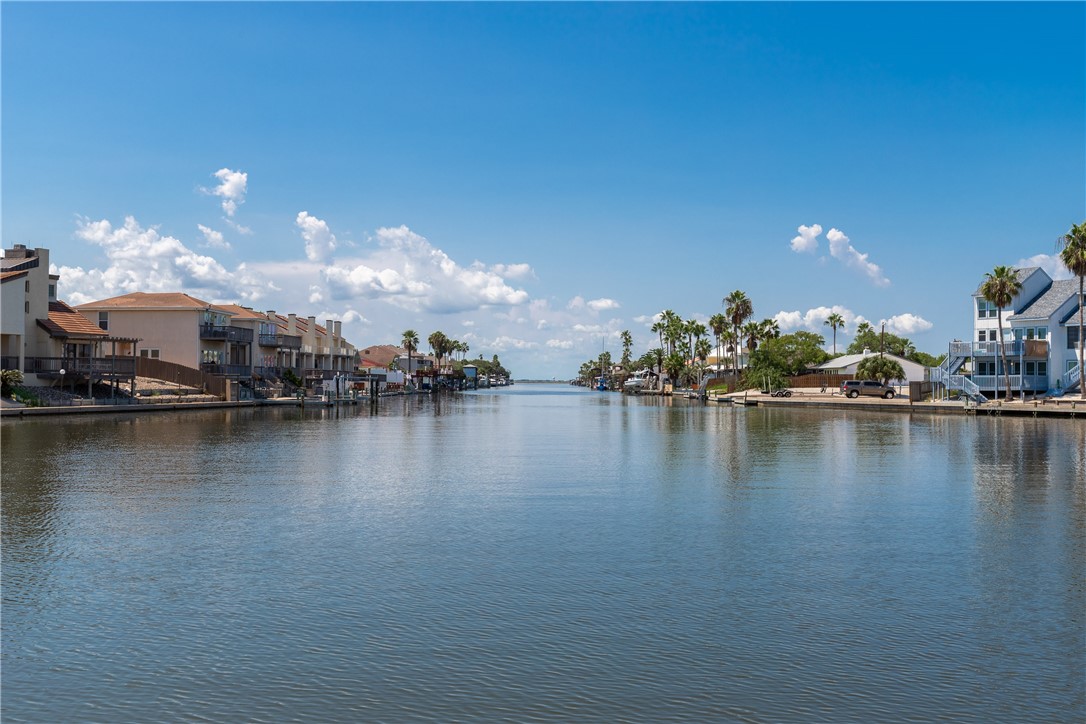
(638, 381)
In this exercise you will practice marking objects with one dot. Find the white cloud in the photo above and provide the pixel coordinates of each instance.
(589, 328)
(814, 319)
(598, 305)
(142, 260)
(238, 227)
(409, 272)
(559, 344)
(320, 242)
(513, 271)
(214, 238)
(1051, 263)
(468, 323)
(315, 295)
(906, 324)
(576, 303)
(843, 251)
(231, 189)
(807, 241)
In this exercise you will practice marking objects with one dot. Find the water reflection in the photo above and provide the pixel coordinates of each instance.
(543, 553)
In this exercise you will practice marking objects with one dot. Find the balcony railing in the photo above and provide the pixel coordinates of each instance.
(226, 370)
(9, 363)
(227, 333)
(1028, 383)
(101, 367)
(282, 341)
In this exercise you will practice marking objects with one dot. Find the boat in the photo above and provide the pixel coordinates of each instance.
(637, 382)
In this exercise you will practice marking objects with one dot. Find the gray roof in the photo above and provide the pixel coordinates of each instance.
(1023, 275)
(1049, 301)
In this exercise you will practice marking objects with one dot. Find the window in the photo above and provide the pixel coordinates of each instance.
(26, 307)
(52, 291)
(103, 320)
(149, 353)
(1042, 368)
(27, 287)
(1042, 333)
(1031, 369)
(1072, 338)
(1018, 334)
(986, 309)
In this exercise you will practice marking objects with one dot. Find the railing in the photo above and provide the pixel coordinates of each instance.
(942, 376)
(101, 367)
(283, 341)
(230, 334)
(226, 370)
(9, 363)
(1031, 383)
(1071, 377)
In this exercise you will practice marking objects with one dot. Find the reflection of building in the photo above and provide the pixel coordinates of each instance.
(45, 338)
(1040, 339)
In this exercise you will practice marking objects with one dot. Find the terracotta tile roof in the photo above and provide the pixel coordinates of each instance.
(379, 355)
(150, 300)
(11, 275)
(64, 321)
(240, 312)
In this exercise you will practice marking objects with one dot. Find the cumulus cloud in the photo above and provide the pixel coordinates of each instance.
(231, 189)
(1051, 263)
(214, 238)
(320, 242)
(576, 303)
(238, 227)
(814, 319)
(315, 294)
(842, 250)
(906, 324)
(513, 271)
(559, 344)
(142, 260)
(648, 319)
(807, 241)
(599, 305)
(408, 271)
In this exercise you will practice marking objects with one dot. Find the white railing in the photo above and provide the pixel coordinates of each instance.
(1071, 377)
(941, 375)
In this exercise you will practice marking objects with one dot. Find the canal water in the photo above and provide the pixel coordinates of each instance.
(543, 553)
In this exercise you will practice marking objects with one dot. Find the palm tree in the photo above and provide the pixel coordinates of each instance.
(438, 343)
(730, 342)
(672, 328)
(627, 343)
(695, 330)
(658, 327)
(701, 353)
(834, 321)
(752, 333)
(770, 329)
(1073, 256)
(739, 309)
(410, 342)
(718, 323)
(999, 288)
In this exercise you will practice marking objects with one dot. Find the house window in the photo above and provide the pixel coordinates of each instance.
(26, 307)
(149, 353)
(1018, 334)
(1031, 369)
(103, 320)
(986, 309)
(1072, 338)
(1042, 368)
(52, 291)
(1042, 333)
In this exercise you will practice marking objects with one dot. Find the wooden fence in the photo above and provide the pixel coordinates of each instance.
(183, 376)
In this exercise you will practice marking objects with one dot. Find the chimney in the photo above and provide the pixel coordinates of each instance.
(292, 323)
(271, 315)
(339, 329)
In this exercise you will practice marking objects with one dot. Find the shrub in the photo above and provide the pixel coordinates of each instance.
(9, 380)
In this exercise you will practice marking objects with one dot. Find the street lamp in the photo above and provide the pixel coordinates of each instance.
(62, 379)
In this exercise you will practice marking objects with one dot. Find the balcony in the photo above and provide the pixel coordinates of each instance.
(282, 341)
(1027, 383)
(9, 363)
(239, 335)
(1034, 348)
(226, 370)
(98, 367)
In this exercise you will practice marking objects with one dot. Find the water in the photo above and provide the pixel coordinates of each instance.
(543, 553)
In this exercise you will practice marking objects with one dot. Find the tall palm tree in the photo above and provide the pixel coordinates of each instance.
(771, 329)
(627, 343)
(752, 333)
(999, 288)
(438, 342)
(1073, 256)
(658, 328)
(410, 342)
(718, 323)
(695, 330)
(672, 328)
(739, 309)
(834, 321)
(730, 342)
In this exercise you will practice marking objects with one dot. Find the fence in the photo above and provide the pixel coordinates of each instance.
(183, 376)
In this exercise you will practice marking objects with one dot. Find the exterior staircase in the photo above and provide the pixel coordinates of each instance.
(1071, 379)
(947, 375)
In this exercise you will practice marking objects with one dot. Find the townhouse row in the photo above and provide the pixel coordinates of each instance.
(107, 340)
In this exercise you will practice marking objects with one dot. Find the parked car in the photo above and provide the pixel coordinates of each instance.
(855, 388)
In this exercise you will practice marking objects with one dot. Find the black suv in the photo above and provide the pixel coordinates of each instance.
(855, 388)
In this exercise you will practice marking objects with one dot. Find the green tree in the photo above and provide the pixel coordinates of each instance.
(770, 329)
(752, 333)
(835, 321)
(1073, 256)
(410, 342)
(880, 368)
(738, 309)
(627, 344)
(790, 354)
(1000, 286)
(718, 323)
(674, 365)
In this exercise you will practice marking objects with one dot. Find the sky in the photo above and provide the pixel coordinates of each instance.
(534, 178)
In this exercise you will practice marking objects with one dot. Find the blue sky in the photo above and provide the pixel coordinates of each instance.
(535, 178)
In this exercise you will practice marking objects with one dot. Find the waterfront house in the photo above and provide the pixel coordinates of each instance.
(848, 364)
(46, 339)
(1040, 338)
